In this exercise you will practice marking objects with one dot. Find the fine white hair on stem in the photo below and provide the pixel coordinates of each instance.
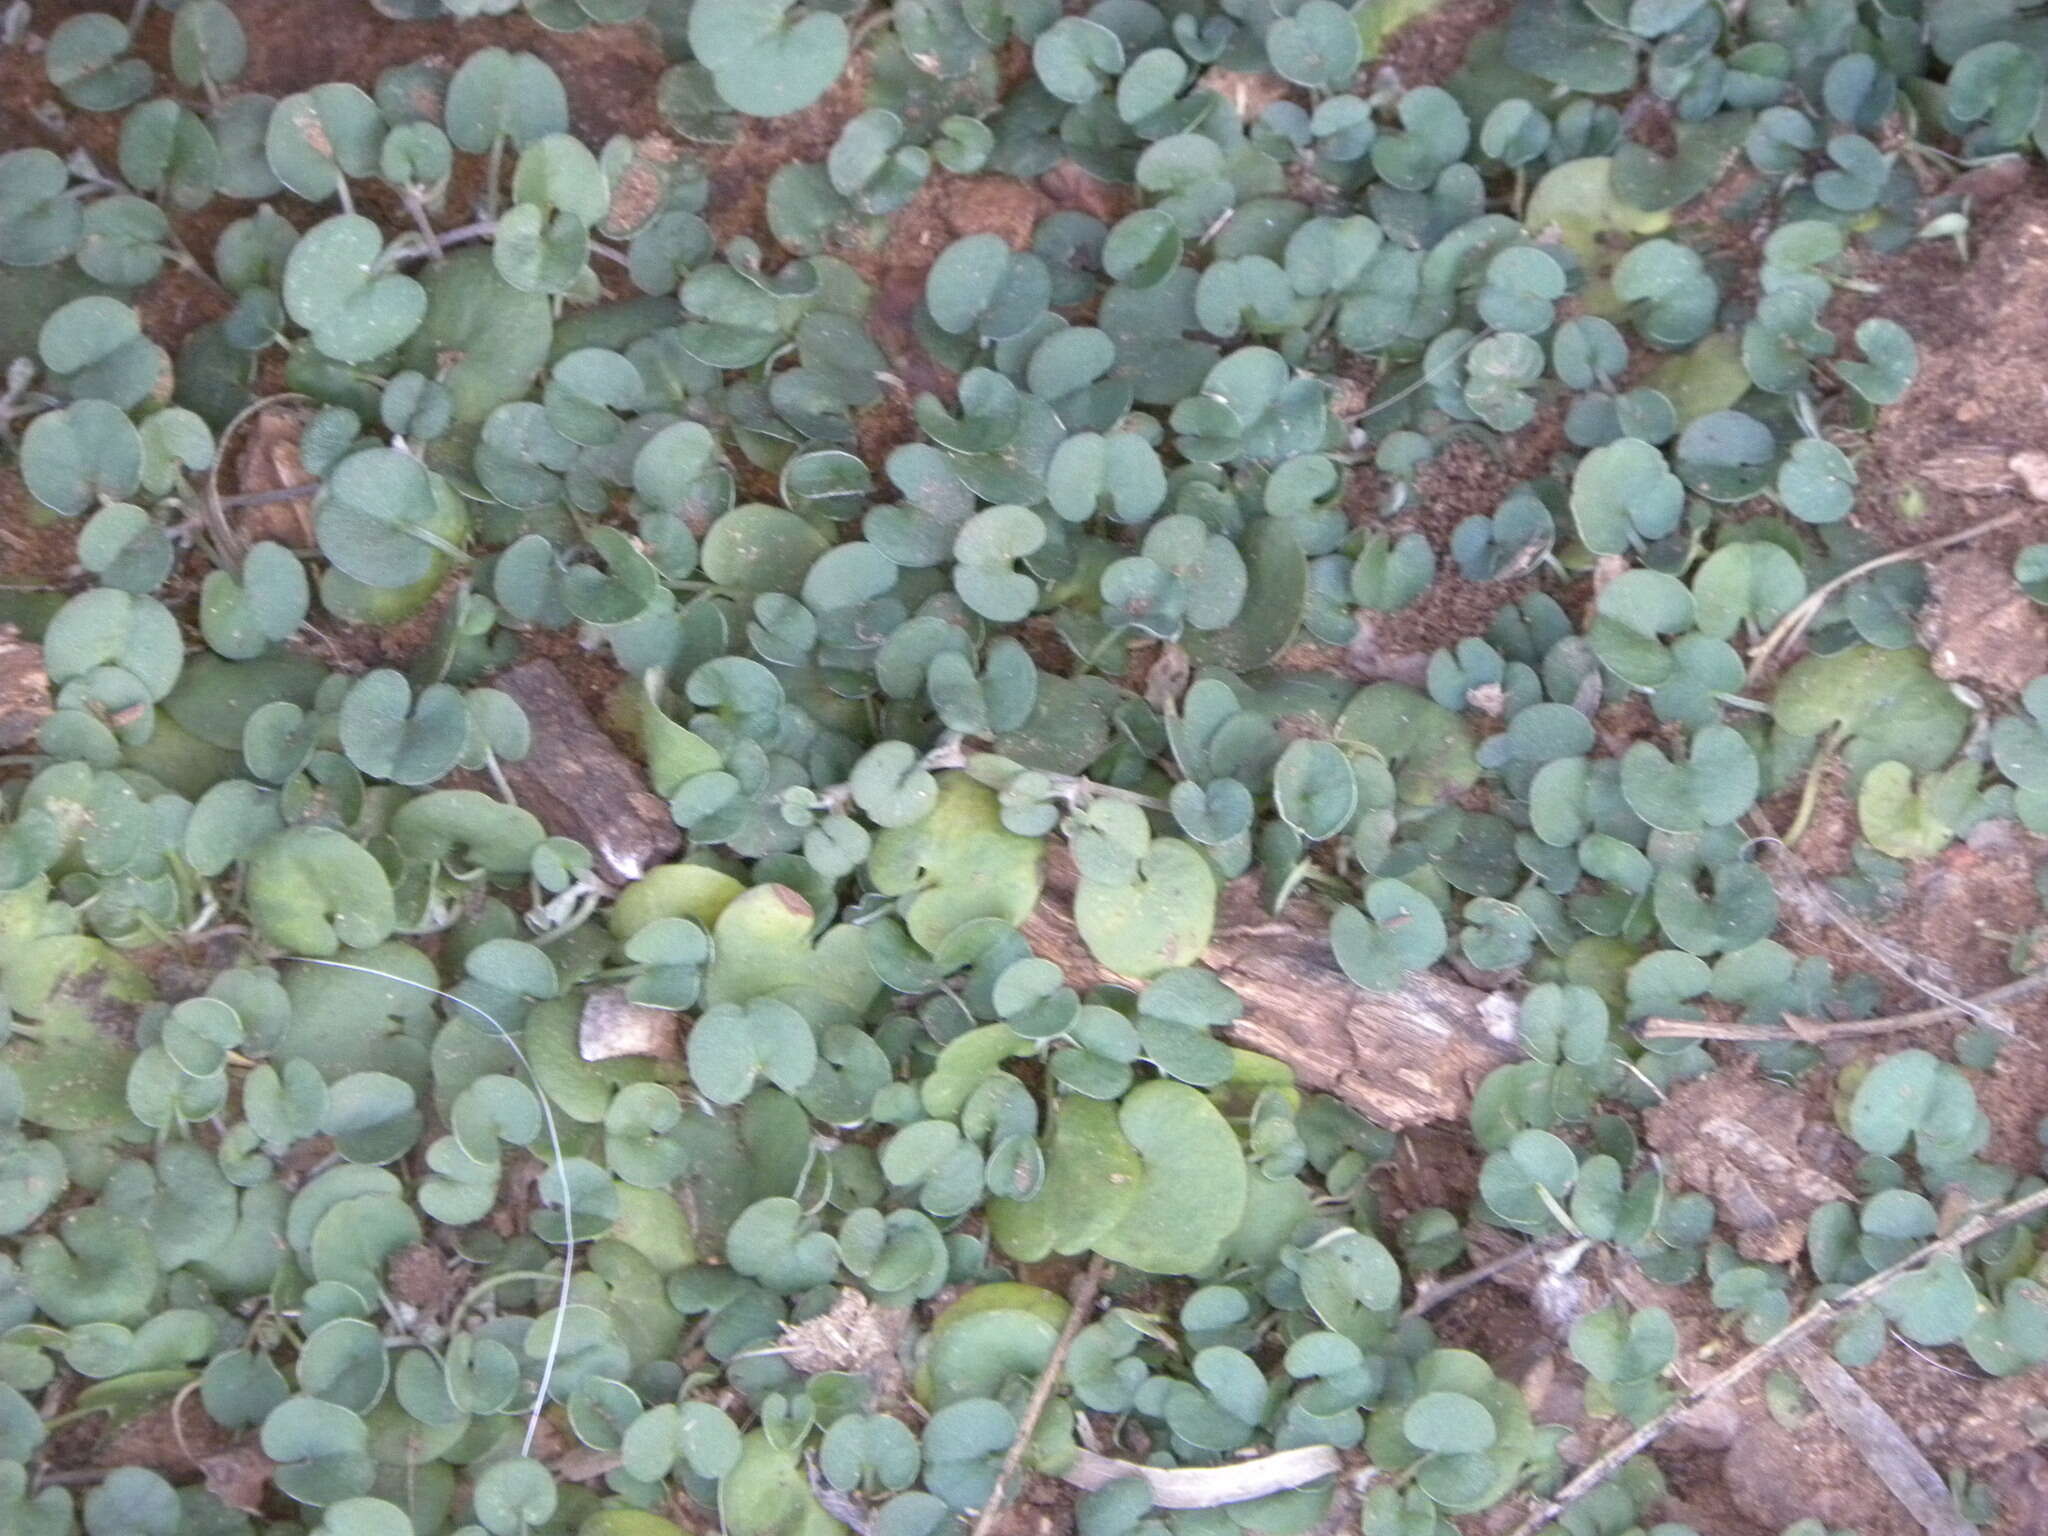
(547, 1115)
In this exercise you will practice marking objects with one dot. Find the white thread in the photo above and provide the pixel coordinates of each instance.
(547, 1113)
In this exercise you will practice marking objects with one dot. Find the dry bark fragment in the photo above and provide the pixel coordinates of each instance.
(579, 784)
(1403, 1058)
(613, 1025)
(856, 1336)
(24, 690)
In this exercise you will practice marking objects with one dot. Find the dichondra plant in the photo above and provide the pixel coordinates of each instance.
(1050, 580)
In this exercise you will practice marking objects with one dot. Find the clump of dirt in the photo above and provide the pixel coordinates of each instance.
(1968, 903)
(1952, 455)
(1071, 187)
(1775, 1478)
(1979, 398)
(609, 71)
(365, 647)
(174, 1439)
(1747, 1142)
(995, 205)
(36, 548)
(422, 1277)
(1979, 627)
(1432, 47)
(946, 208)
(1435, 1165)
(1467, 478)
(740, 171)
(1963, 912)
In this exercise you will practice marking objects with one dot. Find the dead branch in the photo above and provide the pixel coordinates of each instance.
(579, 784)
(1080, 1303)
(1427, 1301)
(1817, 1315)
(1817, 1031)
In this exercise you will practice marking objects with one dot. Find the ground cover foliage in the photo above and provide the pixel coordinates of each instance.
(348, 1189)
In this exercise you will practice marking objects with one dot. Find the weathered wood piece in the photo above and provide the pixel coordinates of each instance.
(612, 1025)
(579, 784)
(1885, 1447)
(24, 690)
(1403, 1058)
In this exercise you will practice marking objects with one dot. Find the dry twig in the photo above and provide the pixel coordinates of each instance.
(1788, 629)
(1457, 1285)
(1079, 1304)
(1820, 905)
(230, 543)
(1816, 1031)
(1818, 1314)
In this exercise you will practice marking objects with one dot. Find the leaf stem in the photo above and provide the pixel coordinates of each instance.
(230, 544)
(423, 224)
(481, 229)
(494, 167)
(1809, 793)
(269, 498)
(485, 1286)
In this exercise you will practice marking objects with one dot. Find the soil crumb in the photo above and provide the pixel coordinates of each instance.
(1747, 1142)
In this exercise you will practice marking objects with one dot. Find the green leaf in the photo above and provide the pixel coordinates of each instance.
(1191, 1192)
(1913, 1097)
(387, 520)
(499, 94)
(1448, 1422)
(1314, 789)
(311, 890)
(1909, 821)
(767, 58)
(1892, 362)
(1714, 787)
(1161, 919)
(84, 453)
(1398, 930)
(1888, 703)
(208, 45)
(390, 735)
(332, 288)
(1624, 493)
(84, 59)
(318, 137)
